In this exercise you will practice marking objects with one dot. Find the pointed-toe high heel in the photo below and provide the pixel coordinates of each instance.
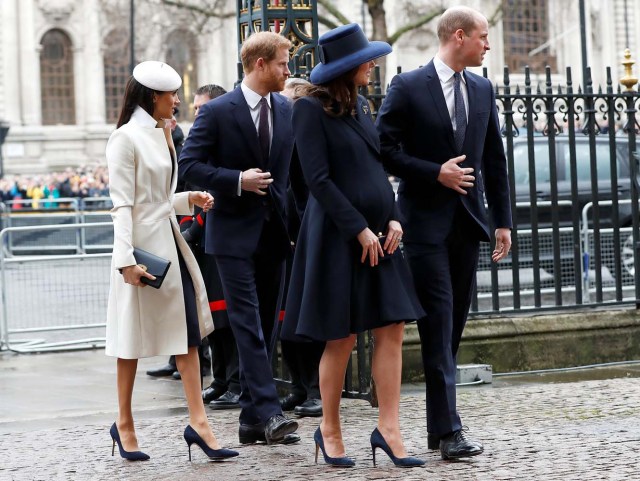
(343, 462)
(192, 437)
(130, 455)
(377, 441)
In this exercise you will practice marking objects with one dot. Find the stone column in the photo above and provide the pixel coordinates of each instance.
(90, 75)
(29, 64)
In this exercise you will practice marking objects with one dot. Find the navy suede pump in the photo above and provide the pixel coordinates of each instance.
(192, 437)
(343, 462)
(130, 455)
(377, 441)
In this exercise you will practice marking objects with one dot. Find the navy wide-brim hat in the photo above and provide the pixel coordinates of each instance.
(343, 49)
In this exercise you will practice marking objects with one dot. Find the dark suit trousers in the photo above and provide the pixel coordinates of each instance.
(303, 360)
(224, 360)
(252, 288)
(444, 276)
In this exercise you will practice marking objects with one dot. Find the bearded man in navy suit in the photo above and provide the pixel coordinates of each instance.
(440, 134)
(239, 149)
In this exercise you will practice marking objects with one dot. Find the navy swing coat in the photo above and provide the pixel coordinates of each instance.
(332, 294)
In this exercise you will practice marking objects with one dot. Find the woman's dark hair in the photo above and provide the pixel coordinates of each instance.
(338, 96)
(135, 94)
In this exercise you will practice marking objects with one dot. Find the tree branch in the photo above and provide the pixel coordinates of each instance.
(195, 8)
(496, 16)
(327, 22)
(334, 11)
(418, 22)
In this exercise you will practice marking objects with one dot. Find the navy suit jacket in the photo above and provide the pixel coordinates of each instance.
(223, 142)
(416, 138)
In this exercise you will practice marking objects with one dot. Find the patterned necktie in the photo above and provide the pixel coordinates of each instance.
(459, 113)
(263, 130)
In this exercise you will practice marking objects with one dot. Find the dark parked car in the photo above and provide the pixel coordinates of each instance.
(540, 154)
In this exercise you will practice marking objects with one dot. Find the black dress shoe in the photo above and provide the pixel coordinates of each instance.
(254, 433)
(311, 408)
(212, 392)
(167, 370)
(277, 427)
(228, 400)
(290, 401)
(456, 445)
(433, 441)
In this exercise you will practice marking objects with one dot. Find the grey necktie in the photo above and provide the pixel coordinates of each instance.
(263, 130)
(459, 113)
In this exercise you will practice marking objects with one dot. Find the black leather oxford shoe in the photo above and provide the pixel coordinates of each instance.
(311, 408)
(228, 400)
(162, 371)
(290, 401)
(254, 433)
(212, 392)
(277, 427)
(433, 441)
(456, 445)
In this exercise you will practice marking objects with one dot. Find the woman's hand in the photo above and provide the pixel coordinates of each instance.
(370, 247)
(203, 199)
(133, 274)
(394, 236)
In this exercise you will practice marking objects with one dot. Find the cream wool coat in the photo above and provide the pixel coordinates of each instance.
(144, 322)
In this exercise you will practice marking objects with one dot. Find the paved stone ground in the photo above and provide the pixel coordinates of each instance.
(587, 430)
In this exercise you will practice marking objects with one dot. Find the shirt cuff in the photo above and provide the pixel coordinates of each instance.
(240, 184)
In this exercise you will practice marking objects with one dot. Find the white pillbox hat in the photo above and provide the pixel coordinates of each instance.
(157, 76)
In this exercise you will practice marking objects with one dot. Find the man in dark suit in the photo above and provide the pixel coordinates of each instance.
(239, 148)
(439, 132)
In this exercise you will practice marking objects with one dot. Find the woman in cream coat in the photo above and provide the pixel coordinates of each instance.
(142, 321)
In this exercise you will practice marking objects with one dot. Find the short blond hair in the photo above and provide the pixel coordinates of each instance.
(465, 18)
(265, 45)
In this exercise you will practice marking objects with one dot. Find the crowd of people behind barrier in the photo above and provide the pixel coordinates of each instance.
(81, 182)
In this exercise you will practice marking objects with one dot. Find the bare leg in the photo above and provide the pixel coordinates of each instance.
(126, 375)
(387, 371)
(333, 365)
(189, 368)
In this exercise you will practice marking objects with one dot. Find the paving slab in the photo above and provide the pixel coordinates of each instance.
(56, 410)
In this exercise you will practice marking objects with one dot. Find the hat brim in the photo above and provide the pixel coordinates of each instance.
(323, 73)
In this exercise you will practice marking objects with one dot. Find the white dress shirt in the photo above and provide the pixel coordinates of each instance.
(445, 74)
(253, 101)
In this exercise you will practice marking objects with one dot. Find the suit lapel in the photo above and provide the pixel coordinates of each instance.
(472, 91)
(242, 114)
(278, 118)
(363, 125)
(435, 89)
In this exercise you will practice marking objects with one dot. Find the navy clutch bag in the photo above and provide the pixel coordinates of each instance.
(154, 265)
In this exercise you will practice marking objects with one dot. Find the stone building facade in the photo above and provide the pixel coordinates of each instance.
(63, 63)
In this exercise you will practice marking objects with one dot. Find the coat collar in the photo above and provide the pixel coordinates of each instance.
(142, 118)
(363, 124)
(435, 89)
(279, 106)
(242, 114)
(248, 129)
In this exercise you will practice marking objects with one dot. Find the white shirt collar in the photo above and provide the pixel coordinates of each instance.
(142, 118)
(445, 73)
(253, 98)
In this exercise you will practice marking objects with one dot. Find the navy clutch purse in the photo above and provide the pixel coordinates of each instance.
(154, 265)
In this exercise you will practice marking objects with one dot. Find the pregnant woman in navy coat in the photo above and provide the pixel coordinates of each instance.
(348, 274)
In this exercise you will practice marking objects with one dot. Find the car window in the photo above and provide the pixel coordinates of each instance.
(583, 164)
(521, 163)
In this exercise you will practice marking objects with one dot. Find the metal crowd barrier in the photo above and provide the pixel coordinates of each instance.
(93, 210)
(21, 213)
(53, 296)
